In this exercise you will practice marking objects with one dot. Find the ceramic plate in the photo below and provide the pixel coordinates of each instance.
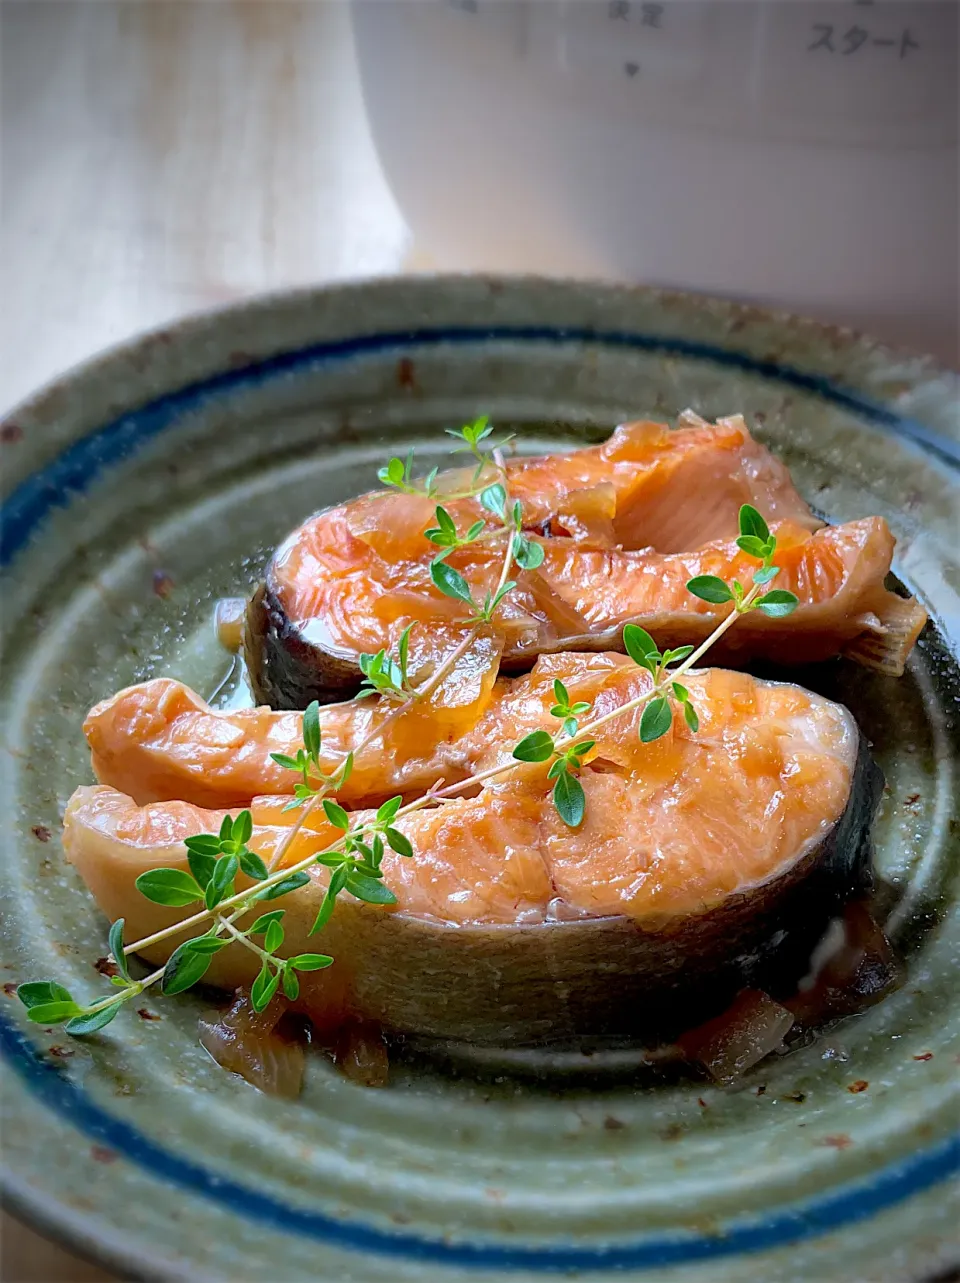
(144, 485)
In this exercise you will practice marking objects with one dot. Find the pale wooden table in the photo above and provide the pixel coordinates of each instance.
(163, 156)
(158, 157)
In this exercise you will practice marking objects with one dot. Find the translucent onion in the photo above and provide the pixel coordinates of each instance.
(250, 1044)
(733, 1042)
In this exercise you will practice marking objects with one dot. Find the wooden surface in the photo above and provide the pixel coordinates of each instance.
(159, 156)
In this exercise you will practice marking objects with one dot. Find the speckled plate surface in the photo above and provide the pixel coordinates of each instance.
(147, 483)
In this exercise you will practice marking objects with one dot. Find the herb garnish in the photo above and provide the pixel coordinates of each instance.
(355, 858)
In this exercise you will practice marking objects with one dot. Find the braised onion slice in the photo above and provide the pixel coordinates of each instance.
(740, 1037)
(360, 1053)
(250, 1044)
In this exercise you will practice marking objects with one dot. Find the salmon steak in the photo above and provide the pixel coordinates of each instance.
(697, 854)
(621, 527)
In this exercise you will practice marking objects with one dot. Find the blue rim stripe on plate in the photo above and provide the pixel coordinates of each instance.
(73, 471)
(70, 474)
(842, 1207)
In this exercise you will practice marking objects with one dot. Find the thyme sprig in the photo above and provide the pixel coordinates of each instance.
(355, 858)
(474, 438)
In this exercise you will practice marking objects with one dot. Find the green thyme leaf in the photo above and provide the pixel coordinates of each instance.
(494, 499)
(472, 433)
(681, 692)
(169, 886)
(570, 727)
(560, 693)
(370, 890)
(690, 714)
(54, 1013)
(291, 985)
(311, 730)
(252, 864)
(202, 864)
(368, 870)
(311, 961)
(641, 647)
(336, 814)
(345, 769)
(324, 913)
(204, 844)
(526, 553)
(221, 880)
(765, 574)
(778, 603)
(283, 759)
(261, 924)
(399, 842)
(535, 747)
(226, 830)
(292, 883)
(568, 798)
(403, 653)
(92, 1022)
(440, 538)
(338, 879)
(37, 993)
(184, 968)
(243, 828)
(273, 938)
(475, 531)
(709, 588)
(557, 768)
(115, 942)
(656, 719)
(387, 810)
(675, 656)
(207, 944)
(263, 988)
(392, 474)
(446, 522)
(751, 523)
(579, 750)
(478, 430)
(450, 582)
(753, 546)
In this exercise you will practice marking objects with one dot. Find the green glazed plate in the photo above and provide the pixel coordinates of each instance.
(155, 479)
